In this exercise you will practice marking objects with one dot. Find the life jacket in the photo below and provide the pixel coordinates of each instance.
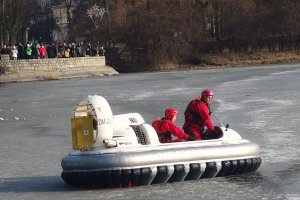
(164, 137)
(28, 51)
(191, 115)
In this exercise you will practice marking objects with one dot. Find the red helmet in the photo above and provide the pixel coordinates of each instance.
(170, 113)
(206, 93)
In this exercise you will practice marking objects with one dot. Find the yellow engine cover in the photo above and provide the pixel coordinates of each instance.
(82, 133)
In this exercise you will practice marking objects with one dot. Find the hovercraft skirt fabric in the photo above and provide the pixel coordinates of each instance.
(160, 174)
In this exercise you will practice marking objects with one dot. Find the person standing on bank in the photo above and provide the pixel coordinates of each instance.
(197, 116)
(28, 51)
(14, 53)
(43, 51)
(165, 128)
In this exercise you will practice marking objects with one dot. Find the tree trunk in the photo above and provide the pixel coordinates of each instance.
(108, 29)
(12, 35)
(12, 19)
(2, 2)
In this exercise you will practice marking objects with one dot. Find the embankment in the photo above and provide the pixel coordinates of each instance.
(53, 69)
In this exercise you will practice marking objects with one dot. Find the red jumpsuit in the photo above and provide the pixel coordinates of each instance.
(43, 52)
(197, 116)
(165, 128)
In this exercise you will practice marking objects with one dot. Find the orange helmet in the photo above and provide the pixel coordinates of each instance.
(170, 113)
(206, 93)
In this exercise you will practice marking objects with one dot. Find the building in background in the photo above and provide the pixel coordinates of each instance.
(60, 14)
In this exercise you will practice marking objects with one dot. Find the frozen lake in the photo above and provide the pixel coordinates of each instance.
(261, 103)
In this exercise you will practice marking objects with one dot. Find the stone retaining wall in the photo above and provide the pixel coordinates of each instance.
(53, 64)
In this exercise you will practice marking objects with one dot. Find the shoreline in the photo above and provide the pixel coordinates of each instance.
(207, 61)
(231, 60)
(29, 76)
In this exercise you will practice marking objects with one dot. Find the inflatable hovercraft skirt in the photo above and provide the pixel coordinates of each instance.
(123, 151)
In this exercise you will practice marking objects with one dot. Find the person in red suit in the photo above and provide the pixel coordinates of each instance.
(43, 52)
(197, 116)
(166, 127)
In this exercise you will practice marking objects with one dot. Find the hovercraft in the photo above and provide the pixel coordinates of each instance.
(123, 151)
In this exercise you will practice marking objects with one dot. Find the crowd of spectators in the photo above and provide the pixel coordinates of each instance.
(42, 51)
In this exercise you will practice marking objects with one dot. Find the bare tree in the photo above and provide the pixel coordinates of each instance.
(108, 25)
(13, 18)
(43, 4)
(96, 14)
(119, 12)
(69, 4)
(2, 3)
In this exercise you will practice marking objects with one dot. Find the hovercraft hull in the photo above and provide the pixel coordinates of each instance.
(124, 151)
(161, 164)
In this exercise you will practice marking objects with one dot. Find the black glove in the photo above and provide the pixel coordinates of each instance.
(206, 135)
(217, 129)
(217, 132)
(191, 138)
